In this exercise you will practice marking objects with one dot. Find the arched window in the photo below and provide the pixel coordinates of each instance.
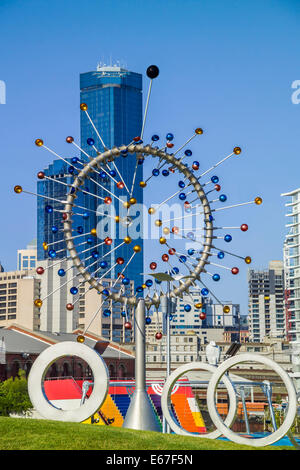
(66, 370)
(121, 371)
(112, 372)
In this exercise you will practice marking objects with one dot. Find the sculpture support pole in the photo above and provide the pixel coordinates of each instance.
(140, 414)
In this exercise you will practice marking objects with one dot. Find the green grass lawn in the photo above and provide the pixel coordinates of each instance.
(32, 434)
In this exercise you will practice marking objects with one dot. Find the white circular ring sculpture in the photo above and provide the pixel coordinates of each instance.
(39, 369)
(222, 426)
(166, 396)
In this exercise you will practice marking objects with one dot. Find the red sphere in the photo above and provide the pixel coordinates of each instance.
(41, 175)
(40, 270)
(244, 227)
(136, 139)
(175, 229)
(69, 139)
(107, 200)
(120, 185)
(120, 260)
(158, 335)
(217, 187)
(108, 241)
(69, 307)
(235, 270)
(169, 145)
(65, 216)
(165, 257)
(128, 325)
(121, 275)
(202, 316)
(172, 251)
(153, 265)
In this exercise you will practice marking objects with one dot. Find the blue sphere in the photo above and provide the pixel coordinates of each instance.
(124, 153)
(89, 240)
(182, 259)
(75, 160)
(71, 169)
(176, 270)
(223, 198)
(123, 313)
(74, 290)
(95, 254)
(90, 141)
(148, 320)
(139, 289)
(171, 317)
(195, 163)
(155, 137)
(105, 292)
(103, 174)
(157, 281)
(155, 172)
(141, 161)
(165, 173)
(187, 308)
(190, 235)
(54, 229)
(149, 282)
(228, 238)
(182, 196)
(103, 264)
(61, 272)
(214, 179)
(188, 153)
(181, 184)
(79, 229)
(52, 253)
(216, 277)
(210, 218)
(106, 312)
(169, 136)
(125, 281)
(85, 215)
(221, 255)
(204, 291)
(49, 209)
(112, 173)
(191, 251)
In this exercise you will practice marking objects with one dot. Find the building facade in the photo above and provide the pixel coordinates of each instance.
(266, 302)
(27, 258)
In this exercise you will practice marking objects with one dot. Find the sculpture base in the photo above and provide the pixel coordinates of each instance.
(140, 414)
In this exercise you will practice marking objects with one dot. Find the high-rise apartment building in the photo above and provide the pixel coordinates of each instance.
(27, 257)
(266, 302)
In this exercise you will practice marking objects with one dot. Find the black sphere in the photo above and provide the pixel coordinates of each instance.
(152, 71)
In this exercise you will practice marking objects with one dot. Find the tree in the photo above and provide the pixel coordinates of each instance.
(14, 396)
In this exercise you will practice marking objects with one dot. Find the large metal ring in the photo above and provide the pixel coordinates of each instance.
(39, 369)
(166, 399)
(222, 426)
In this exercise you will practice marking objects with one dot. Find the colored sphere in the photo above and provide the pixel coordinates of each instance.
(188, 153)
(128, 325)
(103, 264)
(204, 291)
(39, 142)
(120, 260)
(182, 196)
(105, 292)
(181, 184)
(258, 200)
(148, 320)
(18, 189)
(155, 137)
(40, 270)
(162, 240)
(151, 210)
(125, 281)
(52, 253)
(165, 173)
(65, 216)
(126, 204)
(199, 131)
(158, 223)
(45, 246)
(235, 270)
(38, 303)
(226, 309)
(244, 227)
(198, 305)
(248, 260)
(228, 238)
(90, 141)
(69, 139)
(123, 313)
(61, 272)
(202, 316)
(169, 145)
(165, 257)
(191, 251)
(152, 71)
(89, 240)
(223, 198)
(166, 230)
(54, 229)
(221, 255)
(158, 336)
(143, 184)
(74, 290)
(95, 254)
(41, 175)
(117, 219)
(48, 209)
(132, 200)
(112, 173)
(175, 230)
(108, 241)
(237, 150)
(153, 266)
(79, 229)
(106, 312)
(74, 160)
(85, 215)
(170, 136)
(120, 185)
(217, 187)
(83, 106)
(80, 339)
(127, 240)
(214, 179)
(107, 200)
(137, 248)
(187, 308)
(139, 289)
(172, 251)
(155, 172)
(149, 282)
(182, 259)
(216, 277)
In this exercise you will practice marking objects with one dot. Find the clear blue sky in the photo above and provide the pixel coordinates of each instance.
(226, 66)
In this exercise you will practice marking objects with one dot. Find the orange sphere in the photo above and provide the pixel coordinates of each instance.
(69, 307)
(151, 210)
(226, 309)
(132, 200)
(39, 142)
(45, 246)
(107, 200)
(18, 189)
(70, 139)
(120, 185)
(80, 339)
(38, 303)
(248, 260)
(127, 240)
(158, 223)
(258, 200)
(126, 204)
(166, 230)
(237, 150)
(198, 131)
(143, 184)
(94, 232)
(108, 241)
(137, 249)
(117, 218)
(162, 240)
(198, 305)
(83, 107)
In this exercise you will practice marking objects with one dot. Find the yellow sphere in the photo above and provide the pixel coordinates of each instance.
(80, 339)
(137, 248)
(38, 303)
(94, 232)
(45, 246)
(237, 150)
(18, 189)
(144, 286)
(127, 240)
(39, 142)
(132, 200)
(198, 305)
(258, 200)
(151, 210)
(83, 107)
(248, 260)
(117, 219)
(143, 184)
(166, 230)
(162, 240)
(198, 131)
(126, 204)
(226, 309)
(158, 223)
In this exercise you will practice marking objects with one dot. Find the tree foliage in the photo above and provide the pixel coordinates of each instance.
(14, 396)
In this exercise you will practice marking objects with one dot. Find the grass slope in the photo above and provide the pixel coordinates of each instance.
(31, 434)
